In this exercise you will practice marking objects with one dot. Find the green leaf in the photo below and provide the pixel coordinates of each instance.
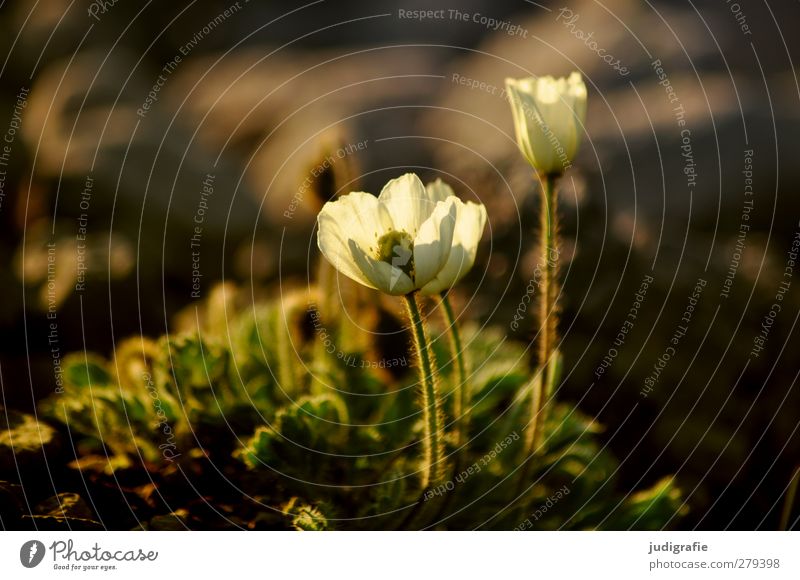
(305, 517)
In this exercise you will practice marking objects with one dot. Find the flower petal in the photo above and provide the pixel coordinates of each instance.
(382, 275)
(439, 190)
(522, 109)
(577, 93)
(434, 241)
(470, 222)
(356, 217)
(548, 117)
(408, 203)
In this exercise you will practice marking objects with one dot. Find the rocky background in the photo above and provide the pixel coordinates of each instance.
(129, 125)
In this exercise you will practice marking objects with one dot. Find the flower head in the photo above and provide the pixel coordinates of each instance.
(408, 238)
(548, 119)
(470, 221)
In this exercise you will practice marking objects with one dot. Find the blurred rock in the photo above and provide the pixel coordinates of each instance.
(281, 110)
(65, 505)
(24, 442)
(717, 82)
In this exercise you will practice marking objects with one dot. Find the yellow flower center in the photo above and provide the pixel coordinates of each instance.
(397, 248)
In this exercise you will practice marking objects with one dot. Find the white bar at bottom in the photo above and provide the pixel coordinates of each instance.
(404, 555)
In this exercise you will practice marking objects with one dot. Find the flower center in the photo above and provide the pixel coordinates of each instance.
(397, 248)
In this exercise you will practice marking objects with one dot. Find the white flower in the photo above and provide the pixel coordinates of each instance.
(402, 240)
(548, 119)
(470, 221)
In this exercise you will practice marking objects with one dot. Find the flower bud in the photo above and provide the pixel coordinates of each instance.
(548, 119)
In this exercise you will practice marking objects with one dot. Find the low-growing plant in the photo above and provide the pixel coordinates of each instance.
(298, 413)
(312, 439)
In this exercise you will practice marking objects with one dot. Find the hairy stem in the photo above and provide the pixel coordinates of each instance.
(548, 313)
(433, 444)
(461, 394)
(283, 346)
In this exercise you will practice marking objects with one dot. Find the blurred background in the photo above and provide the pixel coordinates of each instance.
(151, 149)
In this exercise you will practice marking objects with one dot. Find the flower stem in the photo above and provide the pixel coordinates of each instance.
(283, 347)
(461, 395)
(432, 441)
(548, 313)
